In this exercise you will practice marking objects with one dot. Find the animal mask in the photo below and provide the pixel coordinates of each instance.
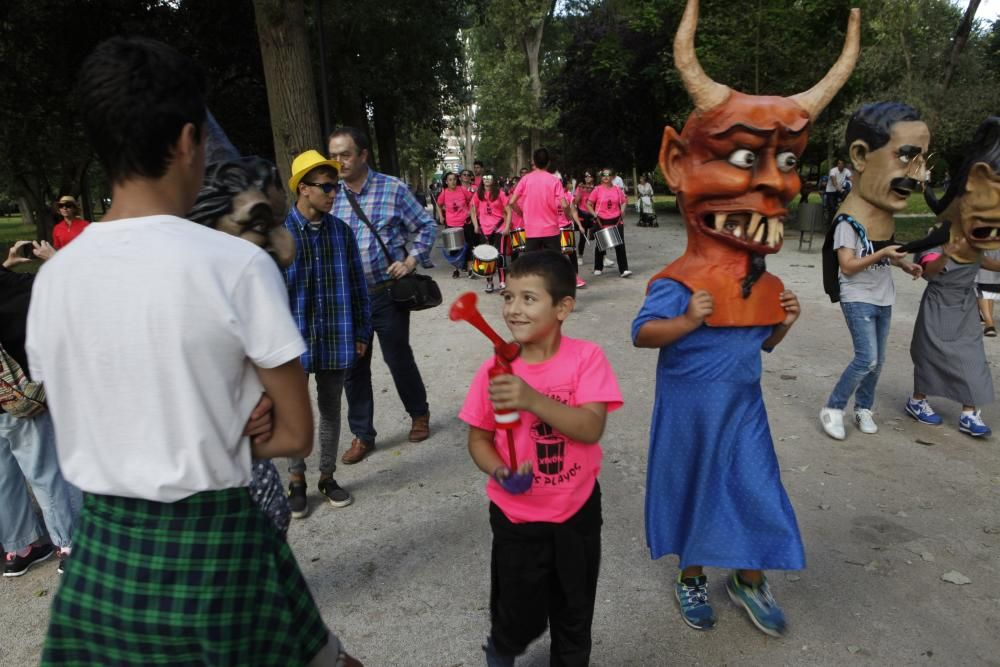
(734, 169)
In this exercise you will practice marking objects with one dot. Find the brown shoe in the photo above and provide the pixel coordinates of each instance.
(421, 429)
(358, 451)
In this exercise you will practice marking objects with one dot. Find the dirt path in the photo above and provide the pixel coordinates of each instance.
(403, 573)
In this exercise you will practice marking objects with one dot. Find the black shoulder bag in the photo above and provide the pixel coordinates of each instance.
(413, 291)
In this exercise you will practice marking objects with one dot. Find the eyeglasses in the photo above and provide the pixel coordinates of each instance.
(327, 188)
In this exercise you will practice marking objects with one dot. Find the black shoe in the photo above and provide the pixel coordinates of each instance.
(337, 496)
(456, 273)
(18, 565)
(63, 557)
(297, 501)
(427, 264)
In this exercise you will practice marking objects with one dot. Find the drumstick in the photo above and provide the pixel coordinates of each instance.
(511, 452)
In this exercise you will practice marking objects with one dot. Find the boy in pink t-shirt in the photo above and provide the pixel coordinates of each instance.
(546, 536)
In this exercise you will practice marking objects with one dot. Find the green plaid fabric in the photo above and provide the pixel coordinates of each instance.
(203, 581)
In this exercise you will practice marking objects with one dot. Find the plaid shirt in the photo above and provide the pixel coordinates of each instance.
(396, 215)
(326, 292)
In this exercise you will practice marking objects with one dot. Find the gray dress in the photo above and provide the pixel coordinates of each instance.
(947, 346)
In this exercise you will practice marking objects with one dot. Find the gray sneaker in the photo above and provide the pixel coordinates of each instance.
(337, 496)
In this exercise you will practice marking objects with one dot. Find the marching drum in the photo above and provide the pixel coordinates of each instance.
(608, 238)
(518, 240)
(484, 260)
(567, 240)
(453, 239)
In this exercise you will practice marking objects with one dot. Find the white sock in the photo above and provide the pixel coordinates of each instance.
(968, 412)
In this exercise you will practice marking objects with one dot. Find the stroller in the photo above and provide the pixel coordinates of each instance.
(647, 212)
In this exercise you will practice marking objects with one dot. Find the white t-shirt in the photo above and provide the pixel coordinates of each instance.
(874, 285)
(143, 331)
(837, 179)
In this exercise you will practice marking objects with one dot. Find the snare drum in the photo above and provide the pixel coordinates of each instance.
(608, 238)
(484, 260)
(453, 238)
(518, 240)
(567, 240)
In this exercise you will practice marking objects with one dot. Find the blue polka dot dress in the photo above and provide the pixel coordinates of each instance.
(713, 493)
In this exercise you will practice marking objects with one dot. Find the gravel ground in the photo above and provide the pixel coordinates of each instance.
(402, 574)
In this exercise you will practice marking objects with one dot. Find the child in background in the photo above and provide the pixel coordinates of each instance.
(569, 219)
(546, 538)
(490, 204)
(988, 290)
(714, 492)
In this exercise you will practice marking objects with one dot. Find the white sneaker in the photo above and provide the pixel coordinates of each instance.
(626, 273)
(832, 420)
(579, 261)
(863, 418)
(608, 261)
(598, 272)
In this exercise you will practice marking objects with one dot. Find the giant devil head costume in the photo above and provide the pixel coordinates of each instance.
(733, 167)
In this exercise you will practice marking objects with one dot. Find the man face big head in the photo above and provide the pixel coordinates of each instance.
(349, 146)
(153, 131)
(888, 145)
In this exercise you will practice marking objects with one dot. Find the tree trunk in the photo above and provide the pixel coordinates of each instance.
(531, 39)
(291, 92)
(959, 42)
(385, 133)
(34, 210)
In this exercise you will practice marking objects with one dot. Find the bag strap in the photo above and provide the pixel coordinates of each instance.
(353, 201)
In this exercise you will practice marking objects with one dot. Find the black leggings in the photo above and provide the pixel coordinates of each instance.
(619, 250)
(550, 243)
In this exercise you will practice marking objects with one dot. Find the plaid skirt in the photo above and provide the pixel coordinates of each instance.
(203, 581)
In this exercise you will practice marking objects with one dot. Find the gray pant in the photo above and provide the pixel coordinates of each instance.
(329, 389)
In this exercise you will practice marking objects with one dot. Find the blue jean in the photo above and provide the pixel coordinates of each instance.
(869, 327)
(392, 326)
(28, 456)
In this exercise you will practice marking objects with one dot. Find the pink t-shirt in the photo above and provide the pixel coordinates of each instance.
(455, 204)
(565, 220)
(539, 194)
(565, 470)
(607, 202)
(489, 212)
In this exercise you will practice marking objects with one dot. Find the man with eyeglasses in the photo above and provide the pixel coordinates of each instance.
(70, 226)
(329, 301)
(408, 231)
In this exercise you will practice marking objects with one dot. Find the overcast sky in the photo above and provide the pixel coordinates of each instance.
(988, 9)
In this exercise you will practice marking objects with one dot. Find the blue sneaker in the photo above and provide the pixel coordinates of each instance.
(693, 600)
(759, 604)
(922, 411)
(972, 423)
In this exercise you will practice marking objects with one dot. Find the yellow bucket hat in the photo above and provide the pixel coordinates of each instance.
(306, 162)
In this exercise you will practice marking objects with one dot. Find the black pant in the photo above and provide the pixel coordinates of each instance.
(587, 220)
(549, 243)
(546, 574)
(619, 250)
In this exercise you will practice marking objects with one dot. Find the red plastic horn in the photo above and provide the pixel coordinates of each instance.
(465, 309)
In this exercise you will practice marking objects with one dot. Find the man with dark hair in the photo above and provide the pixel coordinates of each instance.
(329, 299)
(477, 174)
(185, 328)
(836, 184)
(367, 201)
(539, 196)
(888, 145)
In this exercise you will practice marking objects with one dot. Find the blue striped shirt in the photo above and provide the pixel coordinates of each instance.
(395, 213)
(327, 292)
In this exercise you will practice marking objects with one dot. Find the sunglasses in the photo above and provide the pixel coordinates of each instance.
(327, 188)
(605, 173)
(66, 206)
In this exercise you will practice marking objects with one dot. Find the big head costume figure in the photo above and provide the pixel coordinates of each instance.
(970, 209)
(888, 145)
(733, 167)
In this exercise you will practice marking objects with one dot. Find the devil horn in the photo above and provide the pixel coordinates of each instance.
(704, 92)
(816, 98)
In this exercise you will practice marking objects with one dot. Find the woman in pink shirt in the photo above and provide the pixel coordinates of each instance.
(569, 218)
(607, 204)
(490, 204)
(454, 204)
(580, 195)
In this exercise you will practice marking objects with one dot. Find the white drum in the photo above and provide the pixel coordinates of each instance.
(608, 238)
(453, 238)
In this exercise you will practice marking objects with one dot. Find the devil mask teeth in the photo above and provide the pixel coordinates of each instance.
(748, 226)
